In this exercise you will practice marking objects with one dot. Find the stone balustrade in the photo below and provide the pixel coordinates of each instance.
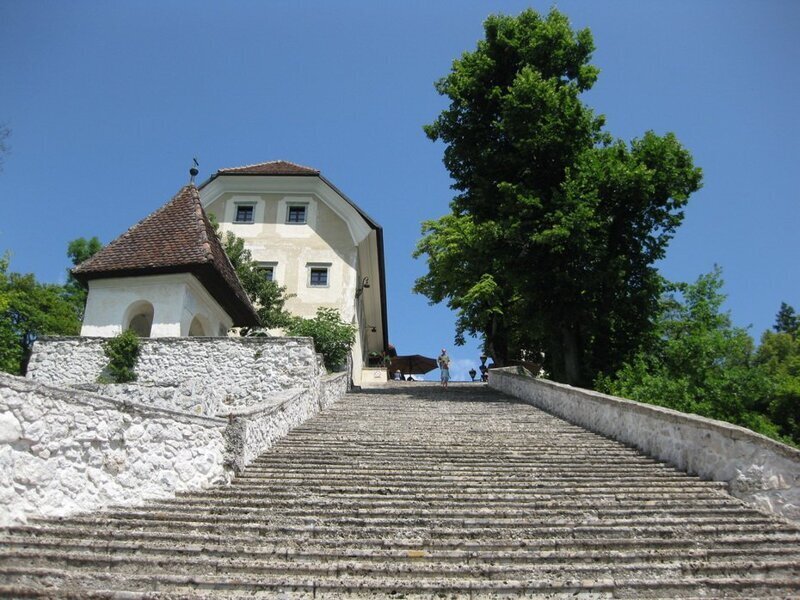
(757, 469)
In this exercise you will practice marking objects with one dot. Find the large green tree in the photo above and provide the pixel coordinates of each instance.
(557, 224)
(29, 309)
(702, 363)
(778, 356)
(786, 320)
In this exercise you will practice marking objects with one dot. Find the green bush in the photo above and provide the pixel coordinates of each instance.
(122, 352)
(333, 338)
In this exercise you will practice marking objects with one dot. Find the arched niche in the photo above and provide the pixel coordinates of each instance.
(139, 318)
(198, 327)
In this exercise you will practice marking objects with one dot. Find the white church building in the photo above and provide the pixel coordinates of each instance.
(168, 276)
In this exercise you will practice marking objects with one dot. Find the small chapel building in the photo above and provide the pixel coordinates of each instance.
(167, 276)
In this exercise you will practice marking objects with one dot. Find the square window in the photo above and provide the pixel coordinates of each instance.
(296, 214)
(245, 213)
(267, 270)
(318, 277)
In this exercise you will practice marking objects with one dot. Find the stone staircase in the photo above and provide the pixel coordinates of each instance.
(416, 492)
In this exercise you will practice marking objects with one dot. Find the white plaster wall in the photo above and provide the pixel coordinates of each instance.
(758, 470)
(176, 299)
(334, 234)
(67, 451)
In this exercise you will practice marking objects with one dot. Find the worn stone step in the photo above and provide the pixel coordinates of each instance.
(701, 529)
(13, 549)
(419, 516)
(248, 565)
(412, 509)
(354, 587)
(739, 540)
(720, 502)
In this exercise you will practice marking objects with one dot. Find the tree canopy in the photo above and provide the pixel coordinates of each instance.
(29, 309)
(555, 226)
(267, 296)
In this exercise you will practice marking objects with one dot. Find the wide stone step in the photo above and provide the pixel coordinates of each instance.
(699, 529)
(441, 517)
(285, 502)
(256, 510)
(743, 540)
(267, 586)
(248, 565)
(472, 496)
(14, 549)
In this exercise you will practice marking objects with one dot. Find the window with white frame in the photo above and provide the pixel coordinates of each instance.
(297, 214)
(318, 275)
(244, 213)
(267, 269)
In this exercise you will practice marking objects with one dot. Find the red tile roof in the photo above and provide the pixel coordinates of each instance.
(275, 167)
(177, 238)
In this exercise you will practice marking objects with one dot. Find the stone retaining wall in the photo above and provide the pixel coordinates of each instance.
(64, 451)
(255, 429)
(244, 371)
(201, 409)
(757, 469)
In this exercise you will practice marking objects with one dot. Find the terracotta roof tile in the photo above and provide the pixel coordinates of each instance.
(275, 167)
(176, 238)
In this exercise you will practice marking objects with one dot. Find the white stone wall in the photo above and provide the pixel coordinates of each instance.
(84, 445)
(190, 396)
(66, 451)
(244, 371)
(253, 430)
(758, 470)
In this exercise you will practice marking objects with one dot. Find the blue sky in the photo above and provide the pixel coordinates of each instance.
(109, 101)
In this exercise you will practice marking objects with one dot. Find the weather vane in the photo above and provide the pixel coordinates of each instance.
(193, 171)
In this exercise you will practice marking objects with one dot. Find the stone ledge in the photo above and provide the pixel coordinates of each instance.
(95, 400)
(757, 469)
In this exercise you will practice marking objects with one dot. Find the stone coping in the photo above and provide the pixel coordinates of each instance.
(277, 402)
(756, 469)
(734, 432)
(95, 400)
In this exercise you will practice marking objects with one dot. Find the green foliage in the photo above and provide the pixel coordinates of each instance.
(29, 309)
(702, 364)
(779, 357)
(79, 250)
(267, 297)
(786, 320)
(122, 352)
(556, 226)
(333, 338)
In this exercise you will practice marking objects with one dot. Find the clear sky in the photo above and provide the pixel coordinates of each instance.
(109, 101)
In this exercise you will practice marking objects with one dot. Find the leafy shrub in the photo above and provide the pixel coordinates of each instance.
(333, 338)
(122, 352)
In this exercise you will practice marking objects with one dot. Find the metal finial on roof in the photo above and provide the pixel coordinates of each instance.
(193, 171)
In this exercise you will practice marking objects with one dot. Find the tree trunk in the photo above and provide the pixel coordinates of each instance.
(570, 349)
(497, 343)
